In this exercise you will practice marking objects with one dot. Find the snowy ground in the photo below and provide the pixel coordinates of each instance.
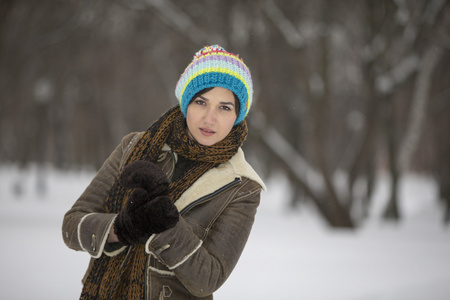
(290, 255)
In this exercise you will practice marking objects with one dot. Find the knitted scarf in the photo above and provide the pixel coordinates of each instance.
(123, 276)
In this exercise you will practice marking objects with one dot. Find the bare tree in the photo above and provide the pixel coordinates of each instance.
(342, 89)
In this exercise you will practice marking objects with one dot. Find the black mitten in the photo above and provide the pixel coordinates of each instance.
(142, 217)
(156, 216)
(124, 227)
(146, 175)
(149, 209)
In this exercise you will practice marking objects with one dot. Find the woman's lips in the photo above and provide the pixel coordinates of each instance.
(207, 132)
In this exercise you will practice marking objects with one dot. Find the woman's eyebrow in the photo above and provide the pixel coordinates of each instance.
(223, 102)
(227, 103)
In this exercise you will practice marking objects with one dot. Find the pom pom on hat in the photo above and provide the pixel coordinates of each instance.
(213, 66)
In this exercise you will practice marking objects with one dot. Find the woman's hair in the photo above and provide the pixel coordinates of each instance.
(237, 104)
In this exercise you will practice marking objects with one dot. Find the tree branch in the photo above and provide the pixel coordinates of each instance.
(387, 82)
(288, 154)
(287, 29)
(174, 17)
(418, 107)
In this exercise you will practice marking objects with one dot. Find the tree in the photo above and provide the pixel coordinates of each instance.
(342, 89)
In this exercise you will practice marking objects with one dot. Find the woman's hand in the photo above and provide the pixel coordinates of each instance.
(143, 216)
(149, 209)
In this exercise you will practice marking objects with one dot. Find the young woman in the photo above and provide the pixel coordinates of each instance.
(169, 212)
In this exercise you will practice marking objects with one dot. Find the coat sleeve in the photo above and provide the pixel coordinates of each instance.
(203, 265)
(86, 225)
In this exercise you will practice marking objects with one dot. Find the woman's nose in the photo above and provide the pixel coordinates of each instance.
(210, 116)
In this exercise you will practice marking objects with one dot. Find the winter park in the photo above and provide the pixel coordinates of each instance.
(344, 120)
(290, 254)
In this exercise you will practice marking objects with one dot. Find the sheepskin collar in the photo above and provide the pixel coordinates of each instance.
(215, 178)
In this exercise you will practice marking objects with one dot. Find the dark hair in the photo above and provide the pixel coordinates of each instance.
(204, 91)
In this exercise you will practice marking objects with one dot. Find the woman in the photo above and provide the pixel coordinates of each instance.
(169, 212)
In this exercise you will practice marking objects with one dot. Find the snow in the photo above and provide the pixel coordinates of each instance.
(290, 254)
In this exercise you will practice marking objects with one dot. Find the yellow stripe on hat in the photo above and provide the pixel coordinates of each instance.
(216, 70)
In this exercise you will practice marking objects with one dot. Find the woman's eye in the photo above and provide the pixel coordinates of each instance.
(226, 108)
(200, 102)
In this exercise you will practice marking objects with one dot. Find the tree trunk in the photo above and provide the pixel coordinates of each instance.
(299, 171)
(391, 211)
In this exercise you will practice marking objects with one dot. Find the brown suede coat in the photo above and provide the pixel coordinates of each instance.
(193, 259)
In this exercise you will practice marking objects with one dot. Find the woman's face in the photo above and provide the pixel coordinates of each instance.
(211, 116)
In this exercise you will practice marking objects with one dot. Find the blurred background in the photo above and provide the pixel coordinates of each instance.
(349, 125)
(344, 90)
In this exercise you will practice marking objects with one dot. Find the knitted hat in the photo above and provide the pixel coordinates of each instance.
(213, 66)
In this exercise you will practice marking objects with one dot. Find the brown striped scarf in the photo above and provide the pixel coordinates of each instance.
(123, 276)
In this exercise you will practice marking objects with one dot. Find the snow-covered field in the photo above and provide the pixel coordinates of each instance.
(290, 254)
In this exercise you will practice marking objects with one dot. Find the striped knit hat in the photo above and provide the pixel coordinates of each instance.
(213, 66)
